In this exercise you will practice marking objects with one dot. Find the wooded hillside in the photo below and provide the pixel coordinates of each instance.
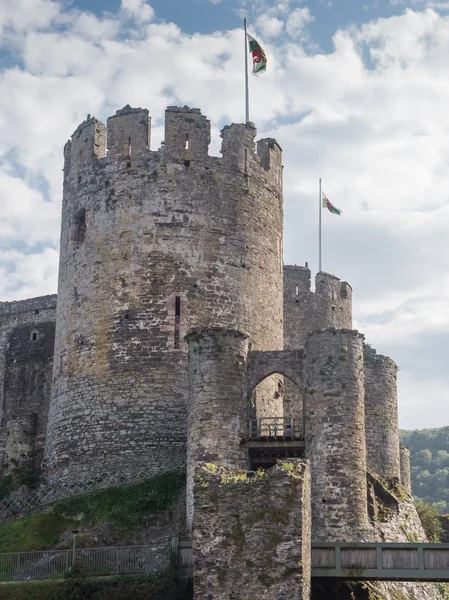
(430, 464)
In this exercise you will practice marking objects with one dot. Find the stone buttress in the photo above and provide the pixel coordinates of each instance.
(154, 244)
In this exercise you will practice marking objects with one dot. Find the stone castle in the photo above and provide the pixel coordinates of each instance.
(179, 337)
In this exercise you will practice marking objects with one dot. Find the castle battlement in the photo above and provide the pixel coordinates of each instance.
(126, 141)
(30, 305)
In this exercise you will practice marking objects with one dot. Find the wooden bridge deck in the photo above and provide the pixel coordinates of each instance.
(381, 561)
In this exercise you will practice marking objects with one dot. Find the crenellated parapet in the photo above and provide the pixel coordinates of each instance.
(330, 305)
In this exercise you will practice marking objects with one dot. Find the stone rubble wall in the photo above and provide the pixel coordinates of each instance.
(146, 234)
(252, 536)
(25, 368)
(381, 414)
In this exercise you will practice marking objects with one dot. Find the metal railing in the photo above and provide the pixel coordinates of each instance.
(275, 427)
(49, 564)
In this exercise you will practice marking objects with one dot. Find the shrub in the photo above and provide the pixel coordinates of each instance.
(430, 519)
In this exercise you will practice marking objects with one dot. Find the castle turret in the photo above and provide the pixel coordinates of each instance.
(306, 311)
(154, 244)
(335, 434)
(406, 478)
(381, 414)
(218, 417)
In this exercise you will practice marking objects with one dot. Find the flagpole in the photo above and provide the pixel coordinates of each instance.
(319, 235)
(246, 73)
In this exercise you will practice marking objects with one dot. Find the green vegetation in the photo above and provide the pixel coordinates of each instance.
(36, 532)
(430, 519)
(430, 465)
(127, 507)
(76, 586)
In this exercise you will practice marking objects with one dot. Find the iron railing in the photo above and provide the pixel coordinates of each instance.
(275, 427)
(49, 564)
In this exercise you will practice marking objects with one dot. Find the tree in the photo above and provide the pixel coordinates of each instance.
(430, 519)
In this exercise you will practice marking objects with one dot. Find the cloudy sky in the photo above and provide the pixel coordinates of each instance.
(356, 93)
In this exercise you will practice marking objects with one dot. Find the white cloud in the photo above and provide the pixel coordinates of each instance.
(297, 21)
(138, 9)
(269, 26)
(370, 118)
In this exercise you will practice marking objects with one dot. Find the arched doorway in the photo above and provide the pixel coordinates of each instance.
(278, 435)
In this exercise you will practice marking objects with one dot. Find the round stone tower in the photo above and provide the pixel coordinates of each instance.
(154, 244)
(381, 414)
(218, 416)
(335, 434)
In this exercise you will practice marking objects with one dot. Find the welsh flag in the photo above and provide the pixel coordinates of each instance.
(259, 56)
(330, 207)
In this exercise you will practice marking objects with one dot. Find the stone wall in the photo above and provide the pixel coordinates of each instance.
(306, 311)
(251, 537)
(25, 369)
(218, 415)
(406, 478)
(335, 434)
(381, 414)
(154, 244)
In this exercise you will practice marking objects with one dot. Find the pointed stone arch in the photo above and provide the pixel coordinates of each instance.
(285, 362)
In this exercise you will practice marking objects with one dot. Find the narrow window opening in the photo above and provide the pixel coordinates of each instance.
(80, 226)
(333, 295)
(187, 163)
(34, 335)
(36, 312)
(187, 142)
(177, 321)
(62, 362)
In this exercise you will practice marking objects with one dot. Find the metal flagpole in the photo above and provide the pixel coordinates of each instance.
(246, 72)
(319, 235)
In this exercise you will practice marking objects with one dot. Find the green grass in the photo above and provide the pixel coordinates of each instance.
(28, 591)
(36, 532)
(127, 507)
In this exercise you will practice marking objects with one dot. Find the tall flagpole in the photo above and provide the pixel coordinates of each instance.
(319, 235)
(246, 73)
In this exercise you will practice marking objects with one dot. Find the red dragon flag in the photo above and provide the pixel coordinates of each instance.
(259, 56)
(330, 207)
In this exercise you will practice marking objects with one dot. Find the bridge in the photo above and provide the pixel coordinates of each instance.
(384, 561)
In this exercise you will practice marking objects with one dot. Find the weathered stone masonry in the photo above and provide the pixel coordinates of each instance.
(154, 244)
(26, 363)
(252, 535)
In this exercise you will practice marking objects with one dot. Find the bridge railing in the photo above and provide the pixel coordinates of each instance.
(275, 427)
(381, 561)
